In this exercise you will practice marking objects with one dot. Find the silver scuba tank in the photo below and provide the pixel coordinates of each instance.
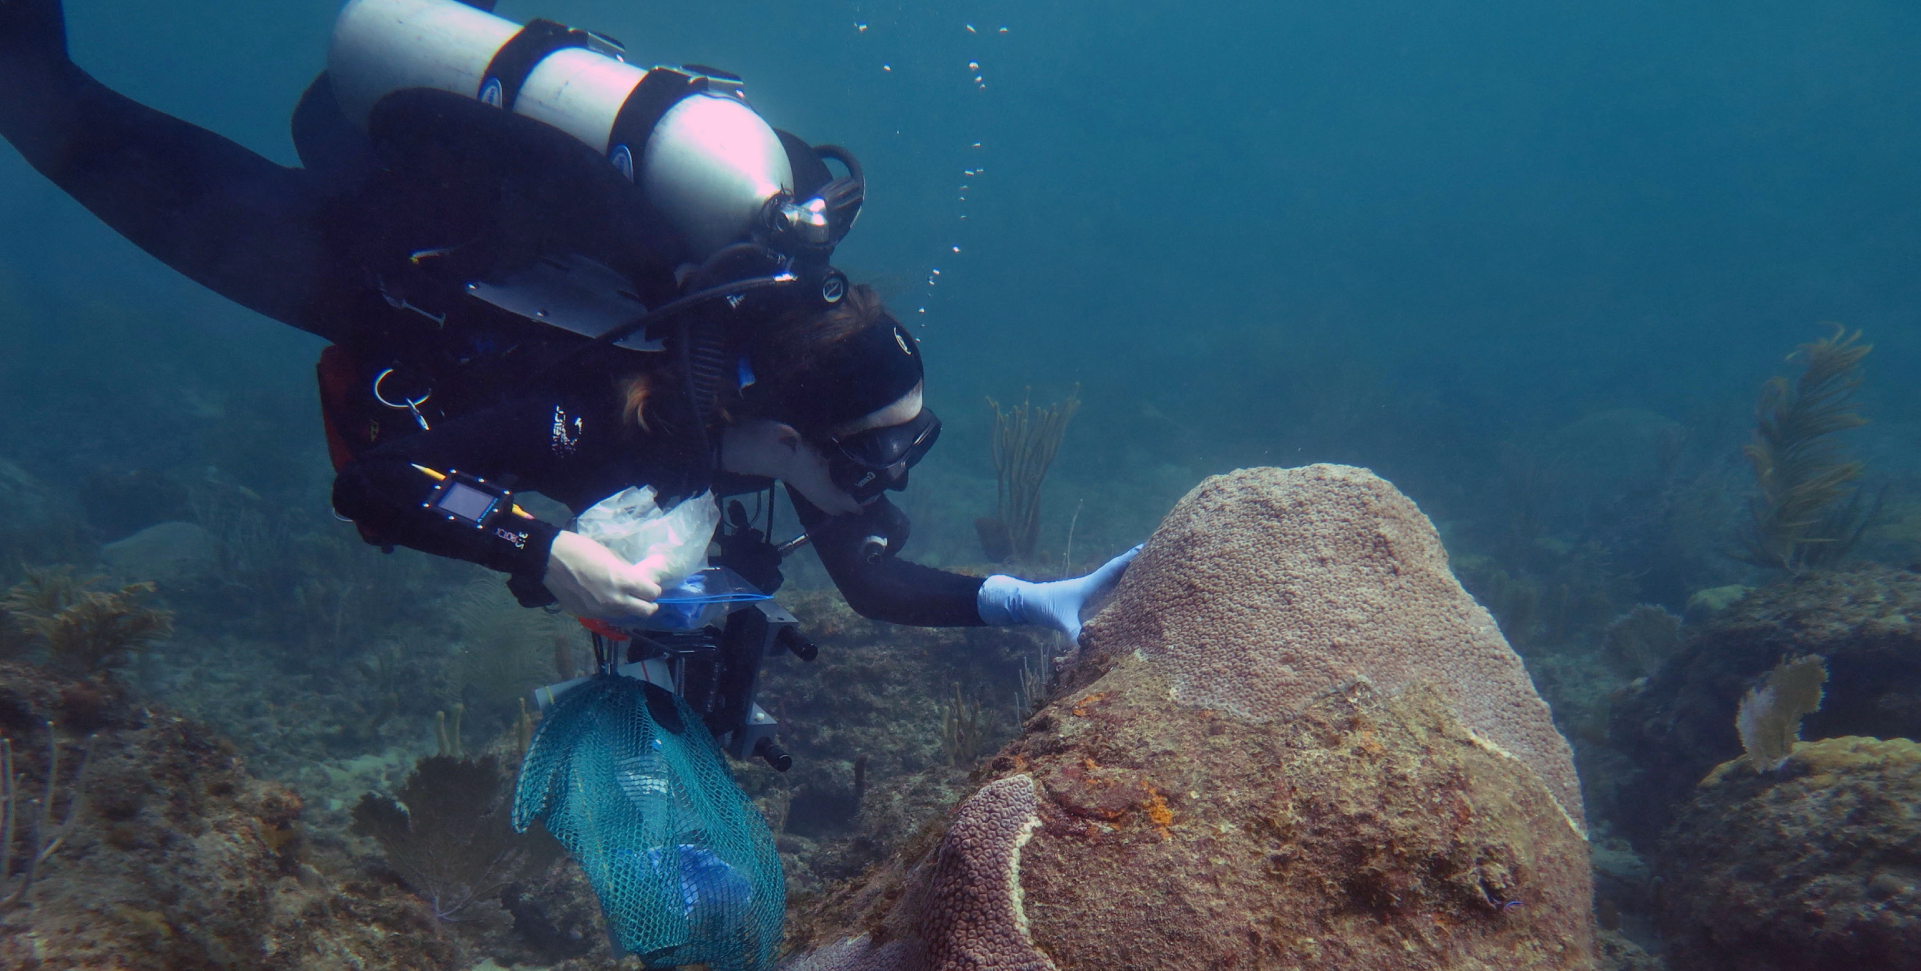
(686, 136)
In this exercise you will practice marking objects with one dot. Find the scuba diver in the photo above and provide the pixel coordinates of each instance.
(539, 267)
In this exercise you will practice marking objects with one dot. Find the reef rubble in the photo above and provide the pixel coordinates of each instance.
(175, 856)
(1292, 740)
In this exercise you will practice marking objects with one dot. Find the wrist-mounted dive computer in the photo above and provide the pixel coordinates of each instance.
(468, 499)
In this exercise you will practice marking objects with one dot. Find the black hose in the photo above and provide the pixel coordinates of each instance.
(666, 311)
(844, 157)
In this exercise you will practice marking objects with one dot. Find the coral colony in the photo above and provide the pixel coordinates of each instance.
(1291, 732)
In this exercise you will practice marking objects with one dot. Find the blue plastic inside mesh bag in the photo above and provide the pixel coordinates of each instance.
(628, 778)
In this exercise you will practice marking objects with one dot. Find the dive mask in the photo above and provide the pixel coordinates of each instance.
(867, 463)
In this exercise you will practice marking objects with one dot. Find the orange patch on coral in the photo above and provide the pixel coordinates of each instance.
(1369, 745)
(1081, 706)
(1157, 811)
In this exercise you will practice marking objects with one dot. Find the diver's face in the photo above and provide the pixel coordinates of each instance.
(902, 411)
(838, 473)
(872, 455)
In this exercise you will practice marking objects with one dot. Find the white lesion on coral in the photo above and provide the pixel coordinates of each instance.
(1015, 894)
(1489, 745)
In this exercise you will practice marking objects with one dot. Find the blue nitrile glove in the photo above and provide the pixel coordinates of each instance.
(1007, 602)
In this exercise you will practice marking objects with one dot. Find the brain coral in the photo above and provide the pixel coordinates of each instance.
(1265, 588)
(966, 911)
(1188, 801)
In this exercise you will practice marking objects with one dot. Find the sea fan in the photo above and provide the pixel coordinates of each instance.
(1769, 719)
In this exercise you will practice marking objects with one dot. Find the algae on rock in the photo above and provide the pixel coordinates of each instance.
(1805, 869)
(1678, 724)
(178, 858)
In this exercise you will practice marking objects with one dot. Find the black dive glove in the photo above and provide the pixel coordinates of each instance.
(33, 28)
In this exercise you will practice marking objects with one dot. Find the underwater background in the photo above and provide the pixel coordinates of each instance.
(1530, 262)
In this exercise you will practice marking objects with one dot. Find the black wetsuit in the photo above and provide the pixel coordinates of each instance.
(370, 245)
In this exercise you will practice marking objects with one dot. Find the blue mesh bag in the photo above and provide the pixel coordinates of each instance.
(629, 779)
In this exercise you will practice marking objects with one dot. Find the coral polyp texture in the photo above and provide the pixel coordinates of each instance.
(1265, 587)
(967, 911)
(1205, 794)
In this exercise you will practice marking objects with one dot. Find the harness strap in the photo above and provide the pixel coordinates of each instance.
(658, 92)
(517, 58)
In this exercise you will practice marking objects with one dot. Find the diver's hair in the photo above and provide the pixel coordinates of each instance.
(800, 340)
(635, 389)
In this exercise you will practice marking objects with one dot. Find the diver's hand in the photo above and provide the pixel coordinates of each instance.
(588, 580)
(1007, 602)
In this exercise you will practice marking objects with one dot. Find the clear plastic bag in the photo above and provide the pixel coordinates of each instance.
(705, 598)
(632, 524)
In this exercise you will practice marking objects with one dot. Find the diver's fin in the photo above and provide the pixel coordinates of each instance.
(33, 27)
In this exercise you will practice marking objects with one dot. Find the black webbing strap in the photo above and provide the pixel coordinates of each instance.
(653, 97)
(518, 57)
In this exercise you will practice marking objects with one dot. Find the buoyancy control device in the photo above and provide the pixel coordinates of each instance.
(757, 212)
(685, 135)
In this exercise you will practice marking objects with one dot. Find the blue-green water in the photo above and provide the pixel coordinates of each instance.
(1529, 261)
(1485, 220)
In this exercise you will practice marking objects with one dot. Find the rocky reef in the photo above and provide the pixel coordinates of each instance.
(1291, 740)
(1678, 724)
(141, 843)
(1811, 866)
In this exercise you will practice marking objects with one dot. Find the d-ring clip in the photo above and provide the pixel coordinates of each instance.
(410, 405)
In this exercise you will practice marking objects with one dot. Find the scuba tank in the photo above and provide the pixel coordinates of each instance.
(757, 213)
(686, 136)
